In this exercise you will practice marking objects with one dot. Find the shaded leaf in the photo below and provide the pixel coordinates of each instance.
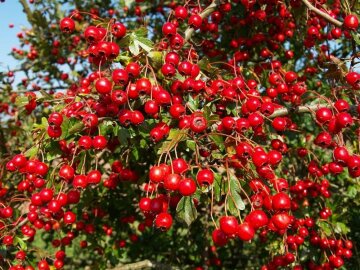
(123, 135)
(218, 140)
(186, 210)
(235, 194)
(218, 186)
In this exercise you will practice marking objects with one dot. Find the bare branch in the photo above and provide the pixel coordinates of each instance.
(305, 109)
(322, 14)
(204, 14)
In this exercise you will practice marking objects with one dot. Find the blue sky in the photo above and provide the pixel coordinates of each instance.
(10, 12)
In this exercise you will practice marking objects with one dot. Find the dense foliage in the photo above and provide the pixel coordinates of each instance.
(185, 134)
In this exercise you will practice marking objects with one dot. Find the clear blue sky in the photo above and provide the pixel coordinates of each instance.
(10, 12)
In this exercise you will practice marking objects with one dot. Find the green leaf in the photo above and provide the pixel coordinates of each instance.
(79, 126)
(341, 228)
(53, 151)
(42, 125)
(325, 227)
(205, 66)
(218, 186)
(232, 207)
(186, 210)
(21, 243)
(30, 153)
(141, 32)
(218, 140)
(356, 37)
(144, 43)
(134, 48)
(106, 127)
(156, 58)
(192, 103)
(21, 101)
(231, 109)
(135, 153)
(46, 95)
(217, 155)
(235, 193)
(175, 136)
(191, 145)
(352, 192)
(123, 135)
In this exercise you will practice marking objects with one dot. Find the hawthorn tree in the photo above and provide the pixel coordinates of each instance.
(185, 134)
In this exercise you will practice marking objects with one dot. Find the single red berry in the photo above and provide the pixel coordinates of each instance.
(67, 25)
(229, 224)
(163, 221)
(99, 142)
(245, 232)
(69, 217)
(103, 86)
(187, 187)
(351, 22)
(205, 177)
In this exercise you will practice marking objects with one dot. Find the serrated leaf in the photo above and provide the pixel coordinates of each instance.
(204, 65)
(144, 43)
(21, 101)
(106, 127)
(53, 151)
(141, 32)
(192, 103)
(218, 140)
(175, 136)
(79, 126)
(218, 186)
(356, 37)
(30, 153)
(191, 145)
(134, 48)
(217, 155)
(325, 227)
(123, 135)
(21, 243)
(135, 153)
(46, 95)
(235, 193)
(352, 192)
(156, 58)
(186, 210)
(232, 207)
(341, 228)
(42, 125)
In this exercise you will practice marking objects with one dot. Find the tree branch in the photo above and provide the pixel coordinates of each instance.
(27, 9)
(306, 109)
(204, 14)
(322, 14)
(145, 264)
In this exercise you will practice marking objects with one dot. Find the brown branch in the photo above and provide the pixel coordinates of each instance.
(204, 14)
(146, 264)
(322, 14)
(27, 9)
(306, 109)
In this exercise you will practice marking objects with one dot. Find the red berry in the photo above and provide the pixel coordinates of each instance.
(69, 217)
(163, 221)
(205, 177)
(245, 232)
(229, 225)
(99, 142)
(67, 25)
(351, 22)
(187, 187)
